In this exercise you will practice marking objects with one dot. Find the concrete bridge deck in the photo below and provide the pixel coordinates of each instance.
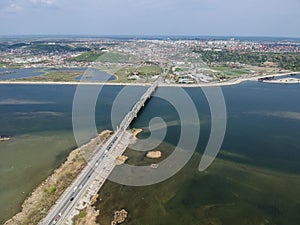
(93, 176)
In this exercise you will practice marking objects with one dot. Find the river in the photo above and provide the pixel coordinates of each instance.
(262, 141)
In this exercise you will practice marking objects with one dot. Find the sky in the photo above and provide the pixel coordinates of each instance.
(277, 18)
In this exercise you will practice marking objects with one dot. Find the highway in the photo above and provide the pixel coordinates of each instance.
(99, 167)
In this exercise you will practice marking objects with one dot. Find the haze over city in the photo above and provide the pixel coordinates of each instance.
(151, 17)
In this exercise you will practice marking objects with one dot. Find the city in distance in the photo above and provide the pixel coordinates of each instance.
(254, 76)
(131, 128)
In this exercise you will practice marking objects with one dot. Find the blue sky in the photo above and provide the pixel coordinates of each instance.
(151, 17)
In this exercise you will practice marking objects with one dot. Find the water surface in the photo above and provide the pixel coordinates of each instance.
(255, 179)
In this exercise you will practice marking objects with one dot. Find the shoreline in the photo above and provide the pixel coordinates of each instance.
(213, 84)
(84, 152)
(41, 195)
(284, 81)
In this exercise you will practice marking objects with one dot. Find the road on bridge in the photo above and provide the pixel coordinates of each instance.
(100, 166)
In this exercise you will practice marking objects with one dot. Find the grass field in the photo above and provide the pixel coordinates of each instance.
(111, 57)
(86, 57)
(231, 72)
(116, 57)
(143, 71)
(182, 69)
(57, 76)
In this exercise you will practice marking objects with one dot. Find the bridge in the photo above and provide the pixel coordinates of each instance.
(90, 180)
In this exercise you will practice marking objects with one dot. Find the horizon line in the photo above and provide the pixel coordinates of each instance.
(146, 35)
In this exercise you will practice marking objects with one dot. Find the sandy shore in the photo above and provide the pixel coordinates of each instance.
(228, 83)
(284, 81)
(212, 84)
(73, 83)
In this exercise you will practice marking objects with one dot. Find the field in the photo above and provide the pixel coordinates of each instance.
(231, 72)
(55, 76)
(116, 57)
(86, 57)
(144, 72)
(111, 57)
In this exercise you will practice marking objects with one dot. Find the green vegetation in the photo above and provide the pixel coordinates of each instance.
(181, 69)
(55, 76)
(116, 57)
(144, 72)
(2, 64)
(123, 74)
(133, 130)
(52, 190)
(289, 61)
(112, 57)
(48, 195)
(231, 72)
(82, 214)
(86, 57)
(39, 47)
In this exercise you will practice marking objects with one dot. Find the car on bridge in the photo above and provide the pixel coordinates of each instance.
(57, 218)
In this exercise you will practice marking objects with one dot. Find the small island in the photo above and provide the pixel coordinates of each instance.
(154, 155)
(119, 217)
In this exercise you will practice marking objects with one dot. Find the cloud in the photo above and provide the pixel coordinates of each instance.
(10, 6)
(14, 6)
(154, 17)
(46, 2)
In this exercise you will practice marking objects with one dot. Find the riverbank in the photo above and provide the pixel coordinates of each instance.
(212, 84)
(284, 81)
(73, 83)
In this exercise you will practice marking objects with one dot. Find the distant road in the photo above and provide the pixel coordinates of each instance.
(211, 84)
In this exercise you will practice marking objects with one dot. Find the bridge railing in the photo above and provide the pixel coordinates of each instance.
(137, 107)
